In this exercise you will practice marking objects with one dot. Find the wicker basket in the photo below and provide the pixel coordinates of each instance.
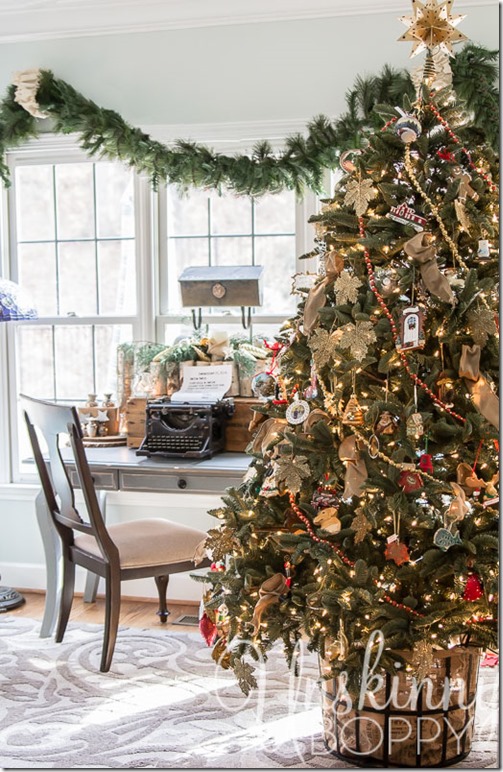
(436, 731)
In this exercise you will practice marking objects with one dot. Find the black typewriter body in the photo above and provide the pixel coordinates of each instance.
(185, 429)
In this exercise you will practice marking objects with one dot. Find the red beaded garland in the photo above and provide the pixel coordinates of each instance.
(342, 556)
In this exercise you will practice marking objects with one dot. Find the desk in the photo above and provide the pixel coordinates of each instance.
(120, 469)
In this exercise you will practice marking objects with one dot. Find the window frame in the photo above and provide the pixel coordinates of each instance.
(151, 242)
(304, 243)
(54, 149)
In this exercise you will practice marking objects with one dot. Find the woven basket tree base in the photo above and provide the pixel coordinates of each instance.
(430, 731)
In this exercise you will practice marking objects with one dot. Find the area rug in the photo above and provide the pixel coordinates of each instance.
(166, 705)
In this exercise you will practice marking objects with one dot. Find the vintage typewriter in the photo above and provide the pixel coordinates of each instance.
(185, 429)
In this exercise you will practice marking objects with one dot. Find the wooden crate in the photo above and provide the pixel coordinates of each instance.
(237, 435)
(112, 413)
(135, 421)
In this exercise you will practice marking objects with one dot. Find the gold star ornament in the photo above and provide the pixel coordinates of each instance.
(432, 26)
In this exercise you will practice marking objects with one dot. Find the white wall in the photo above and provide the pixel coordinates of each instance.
(22, 563)
(259, 71)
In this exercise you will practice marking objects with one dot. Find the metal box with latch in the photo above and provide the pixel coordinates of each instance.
(226, 285)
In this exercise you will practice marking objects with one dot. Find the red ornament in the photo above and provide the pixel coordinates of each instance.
(426, 463)
(473, 589)
(208, 629)
(446, 155)
(398, 552)
(410, 481)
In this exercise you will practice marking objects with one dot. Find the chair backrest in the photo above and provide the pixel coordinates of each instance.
(54, 420)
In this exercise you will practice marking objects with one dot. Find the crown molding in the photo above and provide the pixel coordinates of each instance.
(29, 20)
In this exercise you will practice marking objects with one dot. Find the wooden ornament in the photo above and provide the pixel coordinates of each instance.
(411, 330)
(353, 413)
(467, 479)
(410, 480)
(397, 551)
(415, 426)
(386, 423)
(445, 539)
(327, 520)
(360, 525)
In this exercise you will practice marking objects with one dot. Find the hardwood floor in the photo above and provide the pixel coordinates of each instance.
(134, 613)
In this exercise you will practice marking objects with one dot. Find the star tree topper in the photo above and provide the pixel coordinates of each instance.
(432, 26)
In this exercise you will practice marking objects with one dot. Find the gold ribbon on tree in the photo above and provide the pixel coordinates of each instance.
(483, 397)
(269, 431)
(420, 249)
(317, 297)
(270, 592)
(356, 471)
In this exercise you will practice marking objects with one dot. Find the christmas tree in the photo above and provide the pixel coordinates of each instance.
(370, 503)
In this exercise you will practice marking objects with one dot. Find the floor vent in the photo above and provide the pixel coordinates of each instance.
(186, 619)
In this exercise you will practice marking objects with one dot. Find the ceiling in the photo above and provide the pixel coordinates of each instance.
(22, 20)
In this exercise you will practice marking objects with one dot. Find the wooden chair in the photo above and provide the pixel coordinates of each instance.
(134, 550)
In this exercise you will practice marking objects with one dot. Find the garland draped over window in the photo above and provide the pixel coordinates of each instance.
(301, 164)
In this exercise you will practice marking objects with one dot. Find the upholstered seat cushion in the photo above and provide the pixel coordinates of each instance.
(148, 542)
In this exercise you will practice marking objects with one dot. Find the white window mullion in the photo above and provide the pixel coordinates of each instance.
(146, 300)
(5, 409)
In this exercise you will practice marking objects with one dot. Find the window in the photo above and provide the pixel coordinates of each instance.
(73, 247)
(100, 255)
(204, 228)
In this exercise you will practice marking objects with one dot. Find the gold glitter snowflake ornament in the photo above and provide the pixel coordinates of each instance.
(432, 26)
(346, 288)
(358, 337)
(359, 193)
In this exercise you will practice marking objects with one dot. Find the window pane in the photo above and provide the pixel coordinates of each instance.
(231, 251)
(114, 200)
(77, 278)
(74, 361)
(275, 213)
(37, 275)
(277, 255)
(75, 201)
(35, 361)
(230, 214)
(117, 277)
(34, 203)
(183, 253)
(187, 213)
(107, 338)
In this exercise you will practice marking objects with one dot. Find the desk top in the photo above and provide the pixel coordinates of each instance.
(126, 459)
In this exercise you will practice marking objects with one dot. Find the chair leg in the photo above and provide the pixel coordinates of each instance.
(162, 586)
(112, 613)
(66, 599)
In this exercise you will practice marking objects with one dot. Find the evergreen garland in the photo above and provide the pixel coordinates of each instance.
(103, 132)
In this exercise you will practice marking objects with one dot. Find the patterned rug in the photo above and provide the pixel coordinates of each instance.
(165, 704)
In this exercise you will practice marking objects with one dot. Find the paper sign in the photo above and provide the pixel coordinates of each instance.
(204, 384)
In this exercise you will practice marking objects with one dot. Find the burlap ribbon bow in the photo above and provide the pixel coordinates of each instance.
(270, 592)
(423, 253)
(458, 506)
(317, 297)
(483, 397)
(356, 471)
(270, 431)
